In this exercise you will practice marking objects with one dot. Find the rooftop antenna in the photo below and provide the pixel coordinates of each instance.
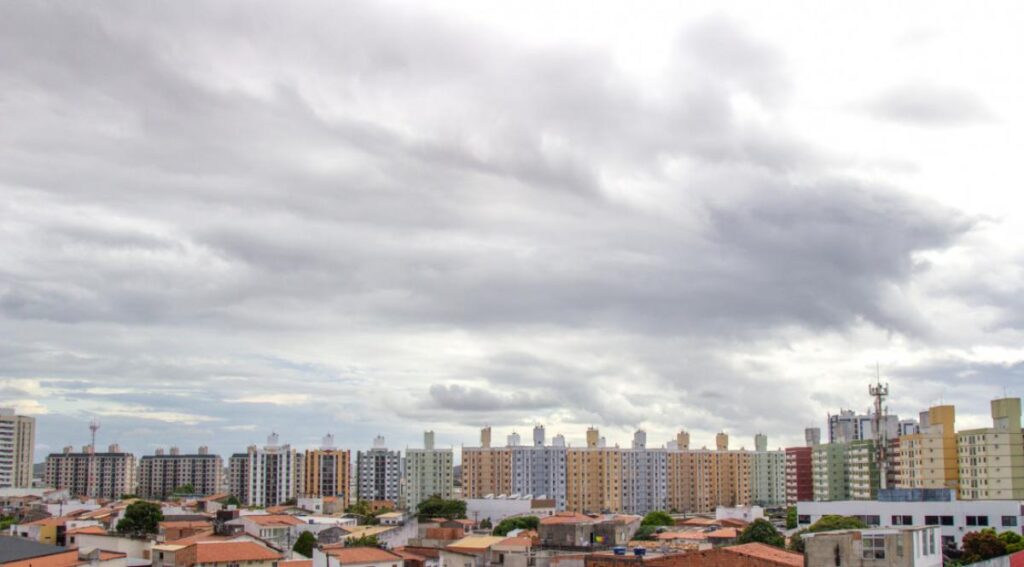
(880, 392)
(94, 426)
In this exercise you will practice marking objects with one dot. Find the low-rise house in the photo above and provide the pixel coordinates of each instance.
(746, 555)
(339, 556)
(880, 547)
(227, 554)
(472, 551)
(19, 552)
(278, 529)
(177, 529)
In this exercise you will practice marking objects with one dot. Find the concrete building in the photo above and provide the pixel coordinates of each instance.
(767, 475)
(955, 518)
(95, 475)
(486, 470)
(160, 474)
(264, 476)
(428, 471)
(594, 476)
(862, 474)
(17, 449)
(645, 477)
(812, 436)
(497, 509)
(327, 472)
(539, 469)
(700, 480)
(882, 547)
(828, 471)
(991, 460)
(929, 459)
(379, 473)
(847, 426)
(799, 479)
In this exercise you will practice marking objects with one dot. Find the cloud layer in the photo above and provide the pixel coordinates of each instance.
(220, 223)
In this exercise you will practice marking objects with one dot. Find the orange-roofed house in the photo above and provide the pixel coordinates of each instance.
(225, 553)
(170, 531)
(278, 529)
(339, 556)
(746, 555)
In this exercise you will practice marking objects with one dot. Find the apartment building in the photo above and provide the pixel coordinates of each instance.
(767, 475)
(594, 476)
(486, 470)
(799, 479)
(90, 474)
(645, 478)
(265, 476)
(928, 459)
(879, 547)
(701, 480)
(327, 472)
(862, 472)
(991, 460)
(538, 469)
(17, 449)
(428, 471)
(828, 471)
(379, 473)
(160, 474)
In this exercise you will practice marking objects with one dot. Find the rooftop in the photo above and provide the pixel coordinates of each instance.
(358, 555)
(18, 549)
(767, 552)
(233, 552)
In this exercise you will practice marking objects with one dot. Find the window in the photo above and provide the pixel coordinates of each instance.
(902, 520)
(946, 520)
(1009, 521)
(874, 547)
(977, 520)
(931, 520)
(803, 519)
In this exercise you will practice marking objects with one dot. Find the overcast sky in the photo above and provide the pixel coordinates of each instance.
(224, 219)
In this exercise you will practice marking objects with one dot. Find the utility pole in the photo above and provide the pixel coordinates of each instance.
(880, 392)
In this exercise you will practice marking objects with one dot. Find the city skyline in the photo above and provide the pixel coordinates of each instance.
(219, 222)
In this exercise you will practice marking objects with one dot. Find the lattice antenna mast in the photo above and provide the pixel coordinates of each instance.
(94, 426)
(880, 392)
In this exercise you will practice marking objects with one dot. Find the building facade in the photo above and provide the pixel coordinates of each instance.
(767, 475)
(379, 473)
(17, 449)
(327, 472)
(645, 479)
(264, 476)
(594, 476)
(929, 459)
(991, 460)
(486, 470)
(799, 478)
(428, 471)
(108, 475)
(700, 480)
(159, 475)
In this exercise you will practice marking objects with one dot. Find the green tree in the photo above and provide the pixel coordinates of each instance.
(485, 524)
(231, 501)
(761, 531)
(658, 518)
(1013, 542)
(362, 541)
(825, 524)
(184, 489)
(437, 507)
(141, 518)
(516, 523)
(646, 533)
(791, 519)
(305, 544)
(979, 546)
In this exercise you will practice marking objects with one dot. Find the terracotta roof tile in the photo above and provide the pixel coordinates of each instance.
(768, 552)
(273, 520)
(566, 518)
(233, 552)
(357, 555)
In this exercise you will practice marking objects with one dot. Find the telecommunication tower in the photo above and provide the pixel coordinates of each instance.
(880, 391)
(94, 426)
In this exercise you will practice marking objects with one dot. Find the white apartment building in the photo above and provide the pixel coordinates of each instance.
(955, 518)
(538, 470)
(644, 477)
(428, 471)
(17, 449)
(991, 460)
(379, 473)
(264, 476)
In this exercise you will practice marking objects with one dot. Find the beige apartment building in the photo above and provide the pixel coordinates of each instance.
(699, 480)
(159, 475)
(17, 449)
(485, 469)
(991, 460)
(594, 476)
(929, 459)
(327, 472)
(107, 475)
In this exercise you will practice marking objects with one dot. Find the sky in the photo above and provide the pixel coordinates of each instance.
(220, 220)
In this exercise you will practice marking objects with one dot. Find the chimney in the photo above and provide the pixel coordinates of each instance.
(114, 448)
(68, 449)
(538, 436)
(175, 451)
(428, 440)
(722, 441)
(160, 452)
(204, 450)
(593, 436)
(683, 441)
(485, 437)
